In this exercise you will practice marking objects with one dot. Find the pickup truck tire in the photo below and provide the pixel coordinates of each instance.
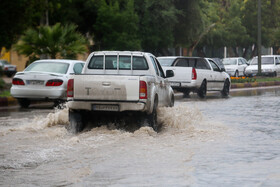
(171, 103)
(152, 118)
(186, 93)
(202, 90)
(226, 88)
(76, 122)
(236, 74)
(24, 103)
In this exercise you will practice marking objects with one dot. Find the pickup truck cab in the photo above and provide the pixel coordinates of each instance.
(118, 82)
(196, 74)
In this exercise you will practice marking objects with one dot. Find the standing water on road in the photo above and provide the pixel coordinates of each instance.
(211, 142)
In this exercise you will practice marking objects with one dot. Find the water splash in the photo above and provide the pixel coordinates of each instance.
(179, 117)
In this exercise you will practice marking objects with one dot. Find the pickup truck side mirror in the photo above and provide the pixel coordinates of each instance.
(169, 73)
(223, 69)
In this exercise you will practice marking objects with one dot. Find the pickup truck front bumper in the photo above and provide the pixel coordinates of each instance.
(120, 106)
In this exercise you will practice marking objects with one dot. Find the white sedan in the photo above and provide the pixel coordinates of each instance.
(235, 66)
(44, 80)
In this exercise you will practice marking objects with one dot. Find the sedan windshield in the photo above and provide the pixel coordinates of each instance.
(265, 60)
(166, 61)
(228, 61)
(50, 67)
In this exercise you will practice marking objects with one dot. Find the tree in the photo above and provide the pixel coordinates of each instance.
(156, 25)
(191, 25)
(116, 28)
(52, 41)
(15, 17)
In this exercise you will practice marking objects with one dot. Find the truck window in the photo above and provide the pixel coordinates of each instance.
(96, 62)
(161, 72)
(214, 66)
(154, 64)
(182, 63)
(139, 63)
(202, 64)
(111, 62)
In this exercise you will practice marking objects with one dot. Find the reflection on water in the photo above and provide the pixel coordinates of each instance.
(216, 141)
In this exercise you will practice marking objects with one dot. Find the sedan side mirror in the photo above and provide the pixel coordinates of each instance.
(169, 73)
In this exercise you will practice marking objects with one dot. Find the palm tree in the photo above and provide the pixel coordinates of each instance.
(52, 42)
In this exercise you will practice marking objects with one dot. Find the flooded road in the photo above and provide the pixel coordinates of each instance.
(211, 142)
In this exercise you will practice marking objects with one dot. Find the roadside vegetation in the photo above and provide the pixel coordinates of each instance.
(253, 79)
(4, 88)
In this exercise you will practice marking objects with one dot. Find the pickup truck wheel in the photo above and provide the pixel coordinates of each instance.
(186, 93)
(76, 122)
(225, 90)
(202, 90)
(24, 103)
(152, 118)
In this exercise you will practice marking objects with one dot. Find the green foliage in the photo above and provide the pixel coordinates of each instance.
(2, 83)
(52, 42)
(15, 17)
(148, 25)
(116, 28)
(5, 93)
(157, 22)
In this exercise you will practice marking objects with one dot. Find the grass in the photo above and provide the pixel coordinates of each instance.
(4, 88)
(253, 79)
(5, 93)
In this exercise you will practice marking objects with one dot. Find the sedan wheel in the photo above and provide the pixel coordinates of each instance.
(24, 103)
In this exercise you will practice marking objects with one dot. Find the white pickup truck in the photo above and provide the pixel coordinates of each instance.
(196, 74)
(118, 82)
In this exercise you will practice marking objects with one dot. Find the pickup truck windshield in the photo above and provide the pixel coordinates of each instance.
(112, 63)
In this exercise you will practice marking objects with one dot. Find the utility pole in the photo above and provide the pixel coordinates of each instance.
(259, 39)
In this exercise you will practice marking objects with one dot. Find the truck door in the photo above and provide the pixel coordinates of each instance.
(161, 82)
(218, 79)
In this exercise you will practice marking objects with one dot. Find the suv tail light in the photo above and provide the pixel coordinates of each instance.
(70, 88)
(143, 90)
(17, 81)
(194, 75)
(54, 82)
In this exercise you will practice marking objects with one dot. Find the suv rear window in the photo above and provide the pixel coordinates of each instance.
(111, 62)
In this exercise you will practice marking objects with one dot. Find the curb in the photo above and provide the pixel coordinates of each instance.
(255, 84)
(8, 101)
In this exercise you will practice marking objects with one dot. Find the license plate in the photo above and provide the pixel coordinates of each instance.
(175, 84)
(35, 82)
(105, 107)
